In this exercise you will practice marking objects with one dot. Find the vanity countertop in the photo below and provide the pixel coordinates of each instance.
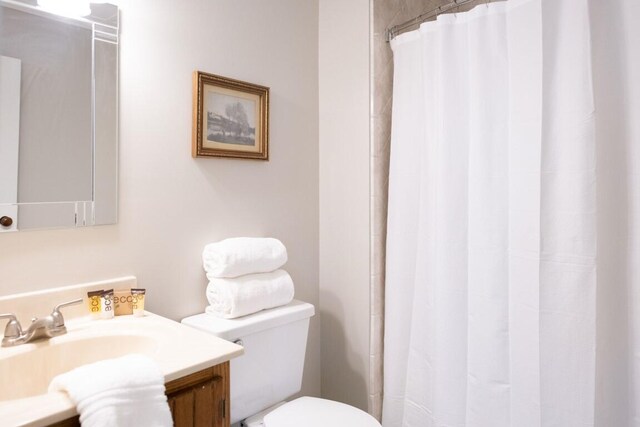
(27, 369)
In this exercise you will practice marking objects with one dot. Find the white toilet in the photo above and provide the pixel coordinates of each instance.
(270, 370)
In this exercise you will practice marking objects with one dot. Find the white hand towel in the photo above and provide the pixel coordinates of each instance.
(243, 255)
(124, 392)
(230, 298)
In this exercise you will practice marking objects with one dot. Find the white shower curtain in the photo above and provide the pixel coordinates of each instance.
(513, 250)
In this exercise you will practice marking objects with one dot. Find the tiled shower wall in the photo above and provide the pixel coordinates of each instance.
(384, 14)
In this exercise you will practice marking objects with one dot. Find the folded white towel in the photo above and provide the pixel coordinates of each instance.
(243, 255)
(124, 392)
(230, 298)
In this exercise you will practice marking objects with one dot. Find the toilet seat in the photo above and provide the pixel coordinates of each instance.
(315, 412)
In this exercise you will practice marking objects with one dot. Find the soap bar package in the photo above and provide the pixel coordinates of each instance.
(107, 304)
(122, 300)
(137, 296)
(94, 303)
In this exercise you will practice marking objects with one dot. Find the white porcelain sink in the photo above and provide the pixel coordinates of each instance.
(29, 373)
(26, 370)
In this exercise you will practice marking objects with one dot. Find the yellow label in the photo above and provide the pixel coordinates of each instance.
(95, 304)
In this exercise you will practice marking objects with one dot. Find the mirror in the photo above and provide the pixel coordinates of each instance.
(58, 116)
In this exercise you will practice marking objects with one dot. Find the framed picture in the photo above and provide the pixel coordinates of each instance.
(230, 118)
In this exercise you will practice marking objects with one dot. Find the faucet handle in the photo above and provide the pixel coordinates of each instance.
(13, 328)
(58, 320)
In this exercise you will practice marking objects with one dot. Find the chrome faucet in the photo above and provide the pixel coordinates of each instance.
(47, 327)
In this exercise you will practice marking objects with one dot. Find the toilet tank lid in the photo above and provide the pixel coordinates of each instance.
(232, 329)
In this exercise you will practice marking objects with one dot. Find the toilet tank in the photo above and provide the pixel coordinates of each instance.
(274, 341)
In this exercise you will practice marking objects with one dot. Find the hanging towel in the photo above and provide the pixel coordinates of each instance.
(243, 255)
(124, 392)
(230, 298)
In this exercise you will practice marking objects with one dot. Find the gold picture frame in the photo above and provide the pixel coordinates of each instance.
(230, 118)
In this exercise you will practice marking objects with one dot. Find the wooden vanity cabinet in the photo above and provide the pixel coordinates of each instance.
(197, 400)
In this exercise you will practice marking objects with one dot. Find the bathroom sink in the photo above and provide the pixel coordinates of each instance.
(27, 369)
(28, 373)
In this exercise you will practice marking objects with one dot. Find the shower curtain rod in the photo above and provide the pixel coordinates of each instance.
(396, 30)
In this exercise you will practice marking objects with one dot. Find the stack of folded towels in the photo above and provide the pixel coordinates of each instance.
(245, 276)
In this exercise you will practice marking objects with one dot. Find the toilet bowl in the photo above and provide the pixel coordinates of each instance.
(270, 371)
(312, 412)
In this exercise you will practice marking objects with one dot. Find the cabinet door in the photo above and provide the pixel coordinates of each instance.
(201, 399)
(182, 408)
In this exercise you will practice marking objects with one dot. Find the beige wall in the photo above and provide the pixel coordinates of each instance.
(172, 204)
(344, 199)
